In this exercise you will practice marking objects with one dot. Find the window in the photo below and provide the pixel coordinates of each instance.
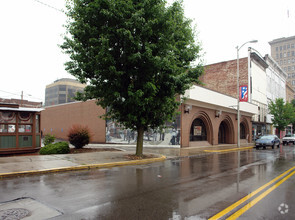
(288, 46)
(62, 87)
(288, 54)
(289, 61)
(281, 62)
(281, 48)
(293, 53)
(289, 76)
(285, 55)
(25, 121)
(277, 48)
(289, 68)
(292, 45)
(285, 61)
(7, 122)
(293, 75)
(293, 82)
(284, 47)
(277, 56)
(37, 123)
(198, 130)
(281, 56)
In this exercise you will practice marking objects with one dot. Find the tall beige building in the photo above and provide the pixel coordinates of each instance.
(62, 91)
(283, 51)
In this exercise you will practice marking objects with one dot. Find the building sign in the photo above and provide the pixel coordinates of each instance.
(197, 130)
(243, 93)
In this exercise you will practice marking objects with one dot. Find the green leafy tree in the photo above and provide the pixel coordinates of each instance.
(283, 113)
(135, 56)
(293, 122)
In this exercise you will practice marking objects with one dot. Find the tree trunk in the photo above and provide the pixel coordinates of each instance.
(139, 145)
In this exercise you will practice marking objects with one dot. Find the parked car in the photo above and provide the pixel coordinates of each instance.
(267, 140)
(289, 138)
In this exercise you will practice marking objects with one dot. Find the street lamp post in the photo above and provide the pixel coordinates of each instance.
(238, 88)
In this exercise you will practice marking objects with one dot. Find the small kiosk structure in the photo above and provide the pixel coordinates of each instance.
(19, 129)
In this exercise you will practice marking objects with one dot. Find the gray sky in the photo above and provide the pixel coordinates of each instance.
(30, 32)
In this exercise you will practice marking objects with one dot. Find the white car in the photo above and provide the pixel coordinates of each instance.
(289, 138)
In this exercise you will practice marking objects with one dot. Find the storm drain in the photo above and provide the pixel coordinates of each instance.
(14, 214)
(26, 208)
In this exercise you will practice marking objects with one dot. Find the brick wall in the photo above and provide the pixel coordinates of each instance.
(58, 119)
(222, 77)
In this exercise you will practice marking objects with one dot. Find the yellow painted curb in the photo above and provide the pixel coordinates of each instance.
(84, 167)
(228, 150)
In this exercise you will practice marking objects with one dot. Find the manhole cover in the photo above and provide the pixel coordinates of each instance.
(22, 208)
(14, 214)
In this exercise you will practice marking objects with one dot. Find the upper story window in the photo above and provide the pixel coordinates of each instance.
(284, 47)
(285, 54)
(281, 48)
(288, 46)
(277, 48)
(292, 45)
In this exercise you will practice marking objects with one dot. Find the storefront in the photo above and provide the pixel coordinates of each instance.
(209, 118)
(19, 129)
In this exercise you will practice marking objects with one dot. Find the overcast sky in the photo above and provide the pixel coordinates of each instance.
(30, 57)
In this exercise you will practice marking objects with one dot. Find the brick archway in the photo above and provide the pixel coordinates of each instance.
(205, 118)
(226, 131)
(245, 123)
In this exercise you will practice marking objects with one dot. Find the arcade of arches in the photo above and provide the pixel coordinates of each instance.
(204, 128)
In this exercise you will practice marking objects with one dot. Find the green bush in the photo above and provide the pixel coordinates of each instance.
(79, 136)
(48, 139)
(57, 148)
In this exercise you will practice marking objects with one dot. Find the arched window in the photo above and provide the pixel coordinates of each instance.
(198, 131)
(242, 131)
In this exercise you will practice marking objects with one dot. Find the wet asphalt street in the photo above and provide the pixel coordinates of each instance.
(195, 187)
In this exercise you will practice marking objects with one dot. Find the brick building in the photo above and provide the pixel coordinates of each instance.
(265, 79)
(58, 119)
(206, 119)
(22, 103)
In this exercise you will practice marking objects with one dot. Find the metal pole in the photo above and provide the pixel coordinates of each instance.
(238, 97)
(249, 76)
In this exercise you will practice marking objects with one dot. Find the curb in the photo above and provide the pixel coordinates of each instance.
(84, 167)
(229, 150)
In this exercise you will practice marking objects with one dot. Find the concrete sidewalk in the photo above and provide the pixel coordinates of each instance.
(38, 164)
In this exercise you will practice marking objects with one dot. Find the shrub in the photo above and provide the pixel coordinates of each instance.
(57, 148)
(48, 139)
(79, 136)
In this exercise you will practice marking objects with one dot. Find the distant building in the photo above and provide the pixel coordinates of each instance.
(62, 91)
(22, 103)
(283, 51)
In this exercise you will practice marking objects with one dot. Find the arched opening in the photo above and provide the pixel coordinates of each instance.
(222, 133)
(242, 131)
(198, 130)
(226, 131)
(245, 131)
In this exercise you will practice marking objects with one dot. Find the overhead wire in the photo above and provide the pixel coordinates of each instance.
(49, 6)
